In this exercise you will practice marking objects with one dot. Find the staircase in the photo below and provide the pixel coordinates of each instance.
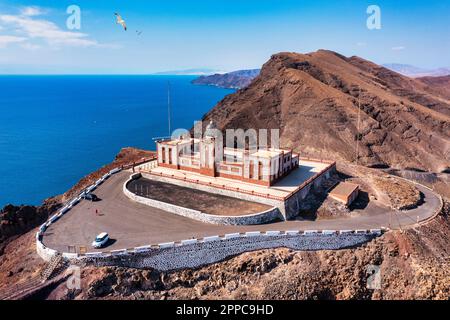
(54, 267)
(13, 292)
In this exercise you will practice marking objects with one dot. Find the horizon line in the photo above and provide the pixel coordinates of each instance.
(96, 74)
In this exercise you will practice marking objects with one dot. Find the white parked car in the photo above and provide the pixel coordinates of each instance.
(100, 240)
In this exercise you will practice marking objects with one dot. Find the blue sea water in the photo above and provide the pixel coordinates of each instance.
(56, 129)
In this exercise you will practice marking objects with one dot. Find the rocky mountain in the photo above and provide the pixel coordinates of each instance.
(414, 72)
(316, 99)
(439, 85)
(232, 80)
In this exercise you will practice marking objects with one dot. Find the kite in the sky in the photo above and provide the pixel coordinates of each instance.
(120, 21)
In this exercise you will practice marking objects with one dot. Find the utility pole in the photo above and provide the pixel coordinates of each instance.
(168, 106)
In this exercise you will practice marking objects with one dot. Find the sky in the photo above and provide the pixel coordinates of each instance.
(223, 35)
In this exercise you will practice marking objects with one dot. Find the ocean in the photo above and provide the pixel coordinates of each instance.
(56, 129)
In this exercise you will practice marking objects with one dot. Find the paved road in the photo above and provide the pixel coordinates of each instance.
(132, 224)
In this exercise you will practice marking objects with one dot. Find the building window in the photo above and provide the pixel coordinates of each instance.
(260, 170)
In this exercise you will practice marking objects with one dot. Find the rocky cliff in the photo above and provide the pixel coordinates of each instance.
(314, 99)
(414, 265)
(232, 80)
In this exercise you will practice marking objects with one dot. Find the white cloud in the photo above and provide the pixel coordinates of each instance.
(27, 25)
(399, 48)
(6, 40)
(32, 11)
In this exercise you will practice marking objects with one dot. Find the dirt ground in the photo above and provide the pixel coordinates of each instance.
(194, 199)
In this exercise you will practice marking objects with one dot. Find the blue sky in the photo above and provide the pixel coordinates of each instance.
(218, 34)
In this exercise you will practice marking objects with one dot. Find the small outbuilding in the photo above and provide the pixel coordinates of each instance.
(345, 192)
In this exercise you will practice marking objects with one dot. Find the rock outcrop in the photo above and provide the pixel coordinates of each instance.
(314, 100)
(232, 80)
(16, 220)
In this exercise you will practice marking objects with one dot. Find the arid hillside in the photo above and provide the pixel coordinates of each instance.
(413, 265)
(314, 98)
(439, 85)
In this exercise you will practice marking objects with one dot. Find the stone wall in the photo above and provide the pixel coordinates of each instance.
(224, 192)
(288, 208)
(294, 203)
(214, 249)
(257, 218)
(45, 253)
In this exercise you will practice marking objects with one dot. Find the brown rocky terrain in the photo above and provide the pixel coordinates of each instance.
(413, 264)
(16, 220)
(396, 193)
(313, 99)
(439, 85)
(374, 185)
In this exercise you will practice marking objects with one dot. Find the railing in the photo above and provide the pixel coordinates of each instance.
(253, 193)
(215, 185)
(311, 179)
(222, 237)
(142, 161)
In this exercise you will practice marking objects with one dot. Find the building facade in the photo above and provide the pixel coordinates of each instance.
(261, 166)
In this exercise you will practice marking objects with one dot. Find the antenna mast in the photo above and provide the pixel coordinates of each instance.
(357, 133)
(168, 106)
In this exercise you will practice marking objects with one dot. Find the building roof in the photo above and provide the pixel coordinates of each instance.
(269, 153)
(344, 189)
(265, 153)
(180, 141)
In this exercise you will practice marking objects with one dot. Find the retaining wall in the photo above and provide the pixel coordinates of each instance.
(288, 207)
(223, 192)
(250, 219)
(195, 253)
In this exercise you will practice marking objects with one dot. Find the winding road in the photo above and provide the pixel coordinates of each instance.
(131, 224)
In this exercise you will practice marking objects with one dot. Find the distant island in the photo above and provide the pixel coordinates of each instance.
(232, 80)
(416, 72)
(189, 72)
